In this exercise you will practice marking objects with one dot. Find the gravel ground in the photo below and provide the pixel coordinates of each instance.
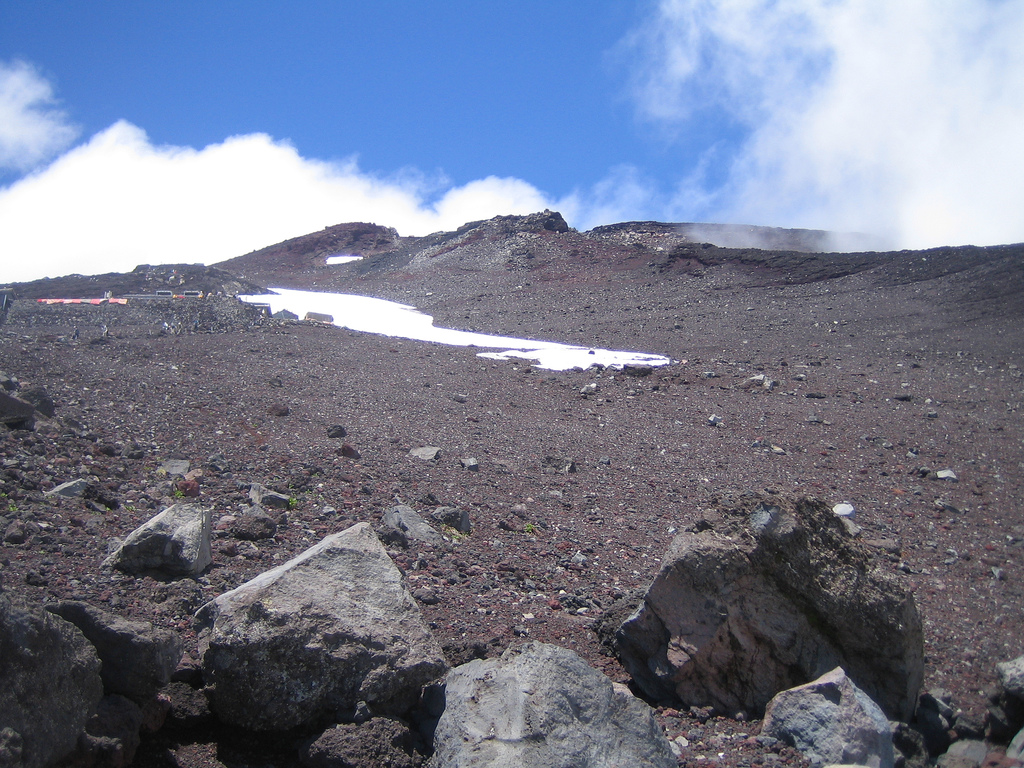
(878, 386)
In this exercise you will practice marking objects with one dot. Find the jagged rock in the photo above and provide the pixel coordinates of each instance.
(380, 741)
(329, 629)
(454, 518)
(70, 489)
(175, 543)
(40, 723)
(15, 412)
(112, 734)
(909, 746)
(966, 753)
(408, 525)
(337, 431)
(264, 497)
(542, 706)
(138, 658)
(831, 721)
(1015, 750)
(40, 400)
(426, 453)
(176, 466)
(1011, 676)
(772, 599)
(253, 526)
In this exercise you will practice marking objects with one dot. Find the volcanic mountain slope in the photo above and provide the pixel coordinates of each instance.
(886, 367)
(653, 284)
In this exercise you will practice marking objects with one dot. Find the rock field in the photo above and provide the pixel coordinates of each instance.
(890, 382)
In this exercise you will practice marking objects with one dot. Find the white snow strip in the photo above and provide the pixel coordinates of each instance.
(388, 318)
(341, 259)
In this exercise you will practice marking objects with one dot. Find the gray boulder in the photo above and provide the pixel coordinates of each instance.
(138, 659)
(262, 496)
(1011, 676)
(15, 412)
(408, 526)
(770, 596)
(831, 721)
(49, 686)
(542, 706)
(174, 543)
(454, 518)
(331, 629)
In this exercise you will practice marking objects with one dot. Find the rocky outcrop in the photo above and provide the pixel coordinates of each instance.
(542, 706)
(138, 659)
(49, 685)
(329, 631)
(772, 596)
(174, 543)
(831, 721)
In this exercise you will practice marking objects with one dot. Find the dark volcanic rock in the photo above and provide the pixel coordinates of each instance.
(137, 658)
(771, 599)
(44, 720)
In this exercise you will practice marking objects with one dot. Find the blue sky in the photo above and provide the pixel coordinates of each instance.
(195, 131)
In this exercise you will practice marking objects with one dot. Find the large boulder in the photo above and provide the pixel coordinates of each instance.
(831, 721)
(174, 543)
(49, 685)
(138, 659)
(542, 706)
(770, 596)
(330, 630)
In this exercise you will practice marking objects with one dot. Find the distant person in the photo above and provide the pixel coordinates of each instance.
(74, 334)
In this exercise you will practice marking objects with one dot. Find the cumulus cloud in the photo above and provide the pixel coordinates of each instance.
(118, 200)
(901, 119)
(32, 128)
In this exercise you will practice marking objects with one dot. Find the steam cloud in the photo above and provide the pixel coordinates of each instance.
(899, 119)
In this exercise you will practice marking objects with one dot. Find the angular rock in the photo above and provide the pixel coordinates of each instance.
(70, 489)
(176, 466)
(337, 431)
(454, 518)
(775, 597)
(42, 722)
(16, 413)
(379, 742)
(426, 453)
(40, 400)
(1015, 750)
(407, 522)
(543, 706)
(174, 543)
(831, 721)
(965, 753)
(1011, 676)
(253, 526)
(315, 637)
(112, 734)
(138, 658)
(264, 497)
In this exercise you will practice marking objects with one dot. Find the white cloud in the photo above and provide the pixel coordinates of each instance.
(32, 129)
(118, 201)
(900, 119)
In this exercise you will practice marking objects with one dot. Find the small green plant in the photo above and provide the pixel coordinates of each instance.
(453, 534)
(179, 494)
(530, 528)
(292, 502)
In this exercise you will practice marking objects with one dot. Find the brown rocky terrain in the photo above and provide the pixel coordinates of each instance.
(888, 368)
